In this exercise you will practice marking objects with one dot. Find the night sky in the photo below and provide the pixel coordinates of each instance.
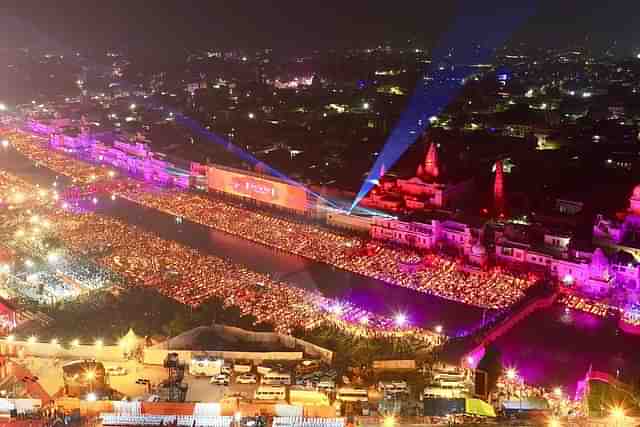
(298, 25)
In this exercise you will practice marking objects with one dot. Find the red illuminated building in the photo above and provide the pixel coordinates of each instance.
(428, 189)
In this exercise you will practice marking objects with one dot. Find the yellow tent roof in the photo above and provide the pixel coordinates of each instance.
(478, 407)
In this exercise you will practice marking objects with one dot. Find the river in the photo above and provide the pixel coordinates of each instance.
(374, 295)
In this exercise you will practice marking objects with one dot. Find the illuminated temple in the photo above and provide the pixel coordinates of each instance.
(426, 189)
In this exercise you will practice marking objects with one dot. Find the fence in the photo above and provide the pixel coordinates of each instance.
(156, 356)
(186, 340)
(110, 353)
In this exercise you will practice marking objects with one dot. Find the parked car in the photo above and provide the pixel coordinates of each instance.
(246, 379)
(327, 386)
(116, 371)
(221, 379)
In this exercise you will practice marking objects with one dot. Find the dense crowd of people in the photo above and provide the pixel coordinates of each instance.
(79, 172)
(175, 270)
(442, 277)
(15, 192)
(582, 304)
(191, 277)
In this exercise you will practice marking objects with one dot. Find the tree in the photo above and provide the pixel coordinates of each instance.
(177, 325)
(491, 363)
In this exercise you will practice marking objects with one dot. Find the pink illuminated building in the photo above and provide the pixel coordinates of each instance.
(134, 158)
(435, 232)
(622, 235)
(611, 267)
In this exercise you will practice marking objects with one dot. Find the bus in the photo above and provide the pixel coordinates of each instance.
(270, 393)
(241, 367)
(349, 394)
(276, 378)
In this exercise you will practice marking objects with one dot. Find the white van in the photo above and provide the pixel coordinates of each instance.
(276, 378)
(350, 394)
(270, 393)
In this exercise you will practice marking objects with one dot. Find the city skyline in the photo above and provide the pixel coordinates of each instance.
(177, 26)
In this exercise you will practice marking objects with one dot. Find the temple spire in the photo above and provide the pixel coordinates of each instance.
(498, 189)
(431, 167)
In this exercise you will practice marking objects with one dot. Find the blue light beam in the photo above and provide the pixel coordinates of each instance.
(197, 129)
(472, 39)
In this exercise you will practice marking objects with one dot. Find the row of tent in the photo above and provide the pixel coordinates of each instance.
(440, 407)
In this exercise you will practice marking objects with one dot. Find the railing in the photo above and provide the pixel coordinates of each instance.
(111, 419)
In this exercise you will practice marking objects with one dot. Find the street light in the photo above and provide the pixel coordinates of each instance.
(3, 107)
(512, 374)
(5, 143)
(617, 413)
(438, 329)
(400, 319)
